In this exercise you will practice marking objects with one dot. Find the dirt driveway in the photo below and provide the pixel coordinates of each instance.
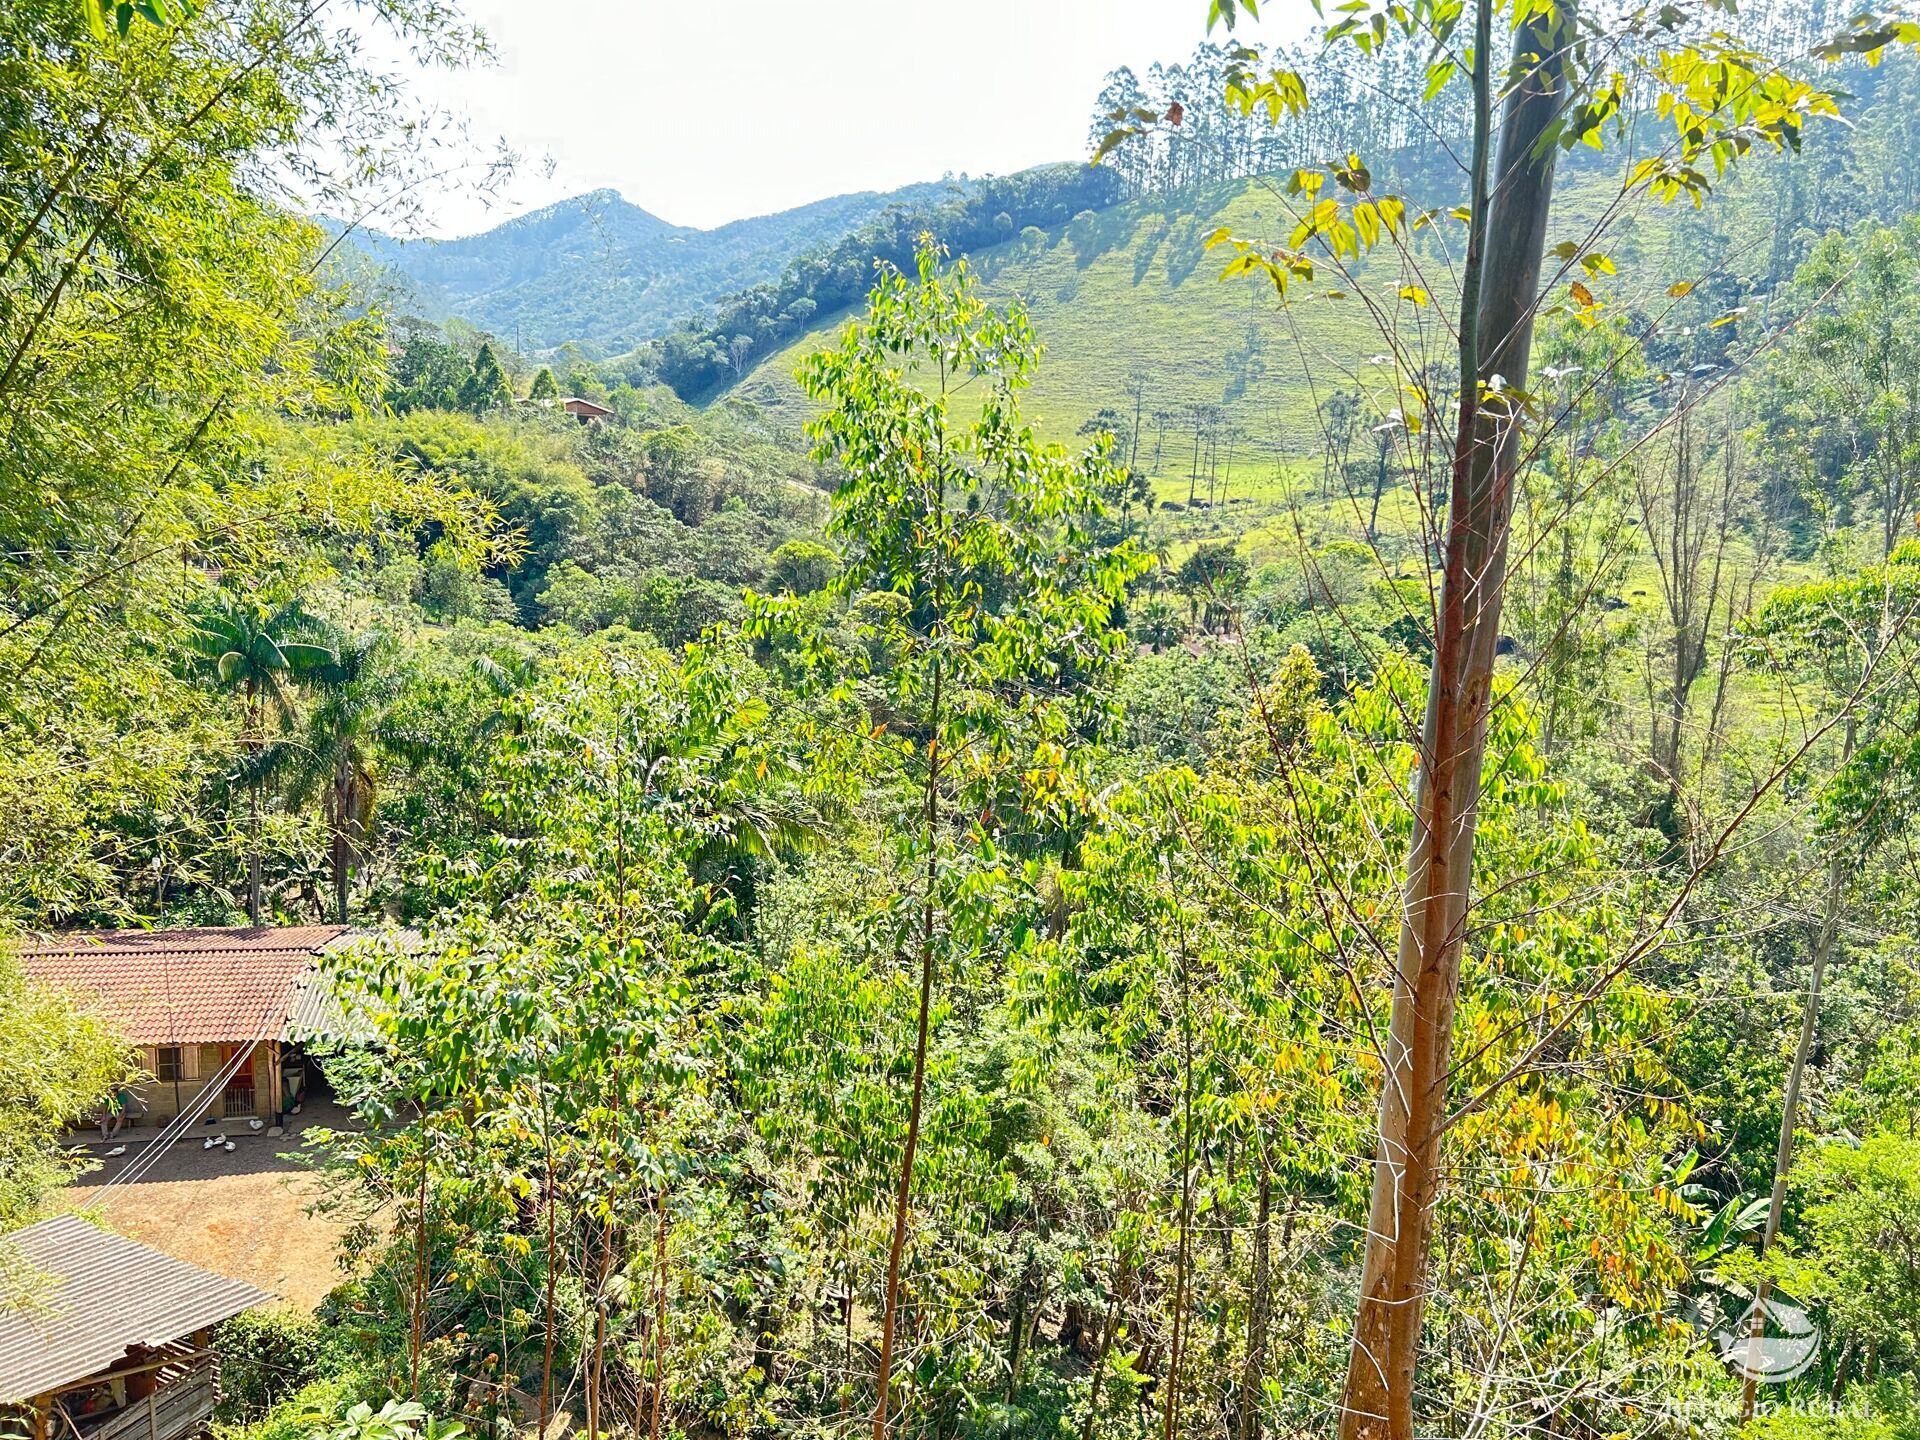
(242, 1215)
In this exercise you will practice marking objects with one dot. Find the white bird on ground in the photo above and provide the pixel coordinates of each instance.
(117, 1150)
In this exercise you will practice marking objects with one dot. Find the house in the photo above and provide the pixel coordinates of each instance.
(104, 1339)
(585, 411)
(216, 1013)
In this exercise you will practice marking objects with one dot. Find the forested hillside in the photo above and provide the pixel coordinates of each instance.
(1262, 790)
(710, 352)
(600, 271)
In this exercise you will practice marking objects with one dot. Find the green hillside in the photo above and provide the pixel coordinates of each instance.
(1134, 317)
(1131, 289)
(599, 270)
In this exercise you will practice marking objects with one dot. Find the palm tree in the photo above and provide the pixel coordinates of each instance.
(1156, 623)
(255, 650)
(506, 673)
(353, 689)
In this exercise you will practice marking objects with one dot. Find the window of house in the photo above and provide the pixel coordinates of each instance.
(169, 1064)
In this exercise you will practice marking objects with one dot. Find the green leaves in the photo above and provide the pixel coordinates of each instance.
(1868, 36)
(1228, 12)
(394, 1420)
(121, 15)
(980, 570)
(1280, 94)
(1343, 231)
(1127, 125)
(64, 1062)
(981, 536)
(250, 644)
(162, 326)
(1718, 98)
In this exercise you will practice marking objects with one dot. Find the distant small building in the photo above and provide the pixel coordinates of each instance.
(216, 1013)
(105, 1339)
(585, 411)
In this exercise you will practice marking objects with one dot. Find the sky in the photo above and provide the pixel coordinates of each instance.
(705, 111)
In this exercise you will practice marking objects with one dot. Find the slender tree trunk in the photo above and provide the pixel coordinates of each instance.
(502, 1370)
(846, 1333)
(1133, 441)
(1106, 1348)
(1500, 284)
(1193, 469)
(1228, 1235)
(253, 854)
(1017, 1336)
(903, 1194)
(253, 807)
(1254, 1375)
(1790, 1105)
(342, 846)
(597, 1373)
(553, 1268)
(1183, 1254)
(417, 1338)
(929, 901)
(659, 1320)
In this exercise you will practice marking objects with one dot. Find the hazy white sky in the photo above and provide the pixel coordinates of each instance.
(705, 111)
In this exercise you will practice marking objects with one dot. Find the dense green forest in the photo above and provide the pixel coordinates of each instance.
(1051, 827)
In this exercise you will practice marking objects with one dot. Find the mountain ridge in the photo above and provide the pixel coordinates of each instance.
(600, 271)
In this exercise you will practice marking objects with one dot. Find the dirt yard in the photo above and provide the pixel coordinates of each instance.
(242, 1215)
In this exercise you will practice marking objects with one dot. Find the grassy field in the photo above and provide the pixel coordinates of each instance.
(1134, 292)
(1134, 289)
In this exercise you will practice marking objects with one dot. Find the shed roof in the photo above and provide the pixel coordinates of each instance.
(75, 1297)
(187, 987)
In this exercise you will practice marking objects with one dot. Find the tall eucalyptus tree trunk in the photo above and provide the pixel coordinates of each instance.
(1500, 285)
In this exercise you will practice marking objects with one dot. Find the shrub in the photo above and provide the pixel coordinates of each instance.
(801, 567)
(265, 1355)
(1884, 1411)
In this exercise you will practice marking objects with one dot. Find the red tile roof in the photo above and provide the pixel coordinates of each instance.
(185, 987)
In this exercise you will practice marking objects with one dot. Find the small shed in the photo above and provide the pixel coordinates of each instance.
(587, 412)
(102, 1338)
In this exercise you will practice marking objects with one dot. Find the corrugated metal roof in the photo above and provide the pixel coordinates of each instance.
(318, 1011)
(186, 987)
(318, 1007)
(86, 1295)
